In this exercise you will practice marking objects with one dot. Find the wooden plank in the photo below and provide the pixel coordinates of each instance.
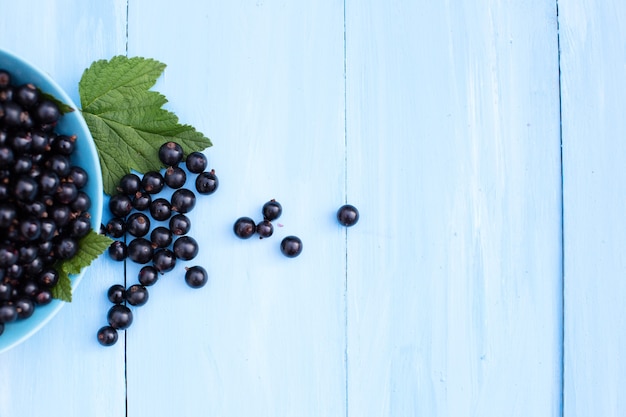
(62, 370)
(592, 38)
(264, 80)
(454, 271)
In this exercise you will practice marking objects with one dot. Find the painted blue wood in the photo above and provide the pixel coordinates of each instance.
(454, 272)
(440, 122)
(62, 370)
(593, 94)
(265, 81)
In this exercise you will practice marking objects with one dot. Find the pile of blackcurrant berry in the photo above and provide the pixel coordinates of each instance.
(43, 205)
(153, 230)
(245, 227)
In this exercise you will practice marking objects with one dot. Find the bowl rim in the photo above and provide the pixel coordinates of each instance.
(8, 341)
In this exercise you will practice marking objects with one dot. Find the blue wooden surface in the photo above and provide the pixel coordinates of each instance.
(484, 277)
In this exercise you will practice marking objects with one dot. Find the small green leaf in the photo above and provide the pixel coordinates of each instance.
(63, 108)
(127, 120)
(89, 248)
(63, 289)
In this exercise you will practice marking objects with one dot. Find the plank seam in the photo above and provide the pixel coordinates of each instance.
(345, 165)
(562, 289)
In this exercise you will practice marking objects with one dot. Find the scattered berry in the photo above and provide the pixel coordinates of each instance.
(244, 227)
(107, 336)
(272, 210)
(196, 276)
(120, 317)
(291, 246)
(348, 215)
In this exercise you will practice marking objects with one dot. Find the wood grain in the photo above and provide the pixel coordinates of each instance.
(265, 81)
(484, 276)
(454, 272)
(593, 96)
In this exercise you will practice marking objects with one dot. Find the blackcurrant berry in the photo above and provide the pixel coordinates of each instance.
(160, 209)
(8, 313)
(65, 247)
(140, 250)
(66, 193)
(115, 227)
(152, 182)
(60, 164)
(196, 276)
(25, 307)
(116, 294)
(180, 224)
(107, 336)
(120, 317)
(348, 215)
(244, 227)
(120, 205)
(80, 226)
(47, 112)
(196, 162)
(129, 184)
(164, 260)
(175, 177)
(118, 250)
(183, 200)
(148, 275)
(78, 176)
(137, 295)
(138, 224)
(265, 229)
(141, 200)
(26, 95)
(161, 237)
(272, 210)
(206, 183)
(186, 248)
(291, 246)
(81, 203)
(48, 278)
(170, 153)
(63, 144)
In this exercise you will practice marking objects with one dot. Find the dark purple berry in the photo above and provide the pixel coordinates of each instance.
(164, 260)
(118, 251)
(272, 210)
(196, 276)
(186, 248)
(291, 246)
(116, 294)
(348, 215)
(148, 275)
(180, 224)
(161, 237)
(170, 153)
(120, 317)
(138, 224)
(160, 209)
(265, 229)
(244, 227)
(196, 162)
(152, 182)
(137, 295)
(107, 336)
(183, 200)
(175, 177)
(140, 250)
(207, 182)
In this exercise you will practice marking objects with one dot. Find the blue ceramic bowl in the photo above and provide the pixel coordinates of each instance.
(85, 156)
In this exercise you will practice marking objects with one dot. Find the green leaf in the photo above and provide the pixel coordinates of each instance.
(90, 247)
(126, 118)
(63, 289)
